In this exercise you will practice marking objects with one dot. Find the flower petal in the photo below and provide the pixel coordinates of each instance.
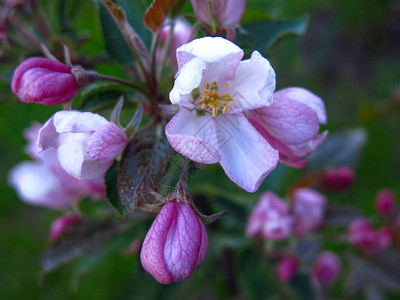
(152, 253)
(306, 97)
(48, 136)
(253, 85)
(287, 120)
(246, 156)
(188, 79)
(182, 246)
(221, 56)
(76, 121)
(228, 12)
(193, 136)
(106, 143)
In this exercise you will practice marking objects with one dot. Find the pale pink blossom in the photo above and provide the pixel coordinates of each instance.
(175, 245)
(31, 135)
(291, 124)
(227, 14)
(42, 80)
(363, 235)
(60, 224)
(338, 179)
(326, 268)
(308, 210)
(287, 268)
(181, 34)
(385, 202)
(214, 88)
(45, 183)
(86, 143)
(270, 219)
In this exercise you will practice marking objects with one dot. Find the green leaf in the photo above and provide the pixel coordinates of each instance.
(77, 239)
(262, 34)
(112, 190)
(115, 44)
(340, 149)
(144, 163)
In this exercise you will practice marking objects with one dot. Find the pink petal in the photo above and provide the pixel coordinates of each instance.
(306, 97)
(253, 85)
(48, 136)
(194, 137)
(183, 243)
(291, 122)
(152, 253)
(228, 12)
(245, 155)
(106, 143)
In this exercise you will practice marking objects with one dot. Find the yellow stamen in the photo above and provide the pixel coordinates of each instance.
(212, 101)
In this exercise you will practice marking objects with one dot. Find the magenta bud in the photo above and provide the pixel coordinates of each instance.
(176, 243)
(59, 225)
(362, 234)
(385, 202)
(337, 179)
(287, 268)
(44, 81)
(326, 268)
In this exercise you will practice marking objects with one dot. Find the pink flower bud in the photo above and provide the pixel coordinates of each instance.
(175, 245)
(385, 202)
(86, 143)
(269, 219)
(180, 35)
(326, 268)
(287, 268)
(309, 207)
(227, 13)
(41, 80)
(337, 179)
(362, 235)
(59, 225)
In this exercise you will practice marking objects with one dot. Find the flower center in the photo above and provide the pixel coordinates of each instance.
(212, 101)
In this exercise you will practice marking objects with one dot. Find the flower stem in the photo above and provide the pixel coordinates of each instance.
(122, 81)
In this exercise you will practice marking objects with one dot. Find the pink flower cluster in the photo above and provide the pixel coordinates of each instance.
(362, 234)
(271, 219)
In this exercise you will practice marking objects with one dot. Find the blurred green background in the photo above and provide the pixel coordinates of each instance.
(350, 56)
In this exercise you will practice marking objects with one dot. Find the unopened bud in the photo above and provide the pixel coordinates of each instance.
(385, 202)
(287, 268)
(337, 179)
(44, 81)
(326, 268)
(176, 243)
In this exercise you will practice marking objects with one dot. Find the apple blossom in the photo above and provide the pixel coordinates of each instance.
(270, 219)
(326, 268)
(214, 89)
(45, 183)
(308, 210)
(291, 124)
(176, 243)
(45, 81)
(86, 143)
(287, 268)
